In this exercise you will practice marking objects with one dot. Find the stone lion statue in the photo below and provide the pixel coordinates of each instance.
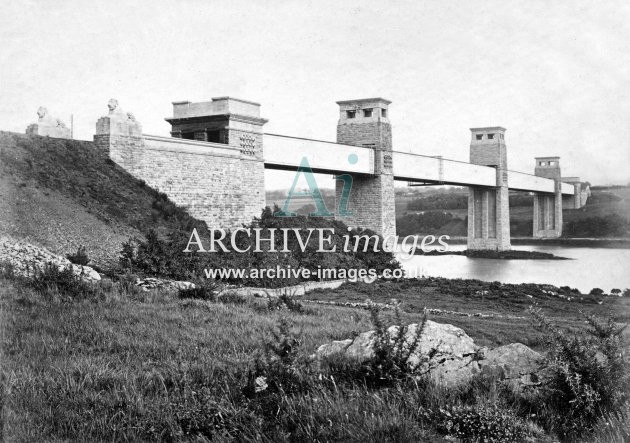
(42, 112)
(112, 104)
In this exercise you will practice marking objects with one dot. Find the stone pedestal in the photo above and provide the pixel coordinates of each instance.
(47, 125)
(119, 137)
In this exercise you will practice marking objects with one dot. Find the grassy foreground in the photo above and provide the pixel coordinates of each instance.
(130, 366)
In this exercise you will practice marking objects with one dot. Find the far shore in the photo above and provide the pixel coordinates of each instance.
(613, 243)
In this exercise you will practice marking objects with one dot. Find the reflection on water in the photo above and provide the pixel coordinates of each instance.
(590, 268)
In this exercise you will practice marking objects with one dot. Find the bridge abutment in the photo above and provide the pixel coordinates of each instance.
(488, 208)
(221, 183)
(371, 202)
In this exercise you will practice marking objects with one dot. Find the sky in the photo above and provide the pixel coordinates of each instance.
(555, 74)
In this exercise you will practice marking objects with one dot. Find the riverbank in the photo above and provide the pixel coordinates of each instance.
(613, 243)
(496, 255)
(494, 313)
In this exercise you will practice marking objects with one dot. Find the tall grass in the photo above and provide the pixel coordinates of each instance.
(145, 366)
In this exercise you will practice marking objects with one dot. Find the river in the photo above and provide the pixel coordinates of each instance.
(590, 267)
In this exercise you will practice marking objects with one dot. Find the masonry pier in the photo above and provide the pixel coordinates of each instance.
(365, 123)
(488, 207)
(547, 220)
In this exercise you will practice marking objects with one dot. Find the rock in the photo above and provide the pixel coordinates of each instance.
(450, 357)
(444, 351)
(25, 258)
(516, 363)
(168, 285)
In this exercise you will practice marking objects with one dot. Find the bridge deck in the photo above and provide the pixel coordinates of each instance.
(283, 152)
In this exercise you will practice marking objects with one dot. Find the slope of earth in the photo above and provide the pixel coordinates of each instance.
(61, 194)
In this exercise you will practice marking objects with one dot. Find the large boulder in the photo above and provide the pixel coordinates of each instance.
(450, 357)
(26, 259)
(444, 351)
(515, 363)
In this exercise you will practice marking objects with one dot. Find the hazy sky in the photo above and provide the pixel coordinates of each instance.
(555, 74)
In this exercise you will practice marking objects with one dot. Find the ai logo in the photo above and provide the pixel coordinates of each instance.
(315, 194)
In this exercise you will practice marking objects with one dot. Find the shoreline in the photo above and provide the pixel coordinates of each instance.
(611, 243)
(495, 255)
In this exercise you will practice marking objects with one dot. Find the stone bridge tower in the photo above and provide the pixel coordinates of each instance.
(365, 123)
(547, 220)
(488, 208)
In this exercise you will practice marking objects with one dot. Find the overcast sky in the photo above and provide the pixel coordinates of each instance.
(555, 74)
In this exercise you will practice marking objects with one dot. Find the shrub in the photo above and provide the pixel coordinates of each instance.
(164, 257)
(478, 423)
(51, 280)
(285, 301)
(80, 257)
(278, 371)
(590, 375)
(392, 355)
(392, 362)
(626, 292)
(596, 291)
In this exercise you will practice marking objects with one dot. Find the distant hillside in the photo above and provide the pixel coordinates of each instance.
(606, 213)
(61, 194)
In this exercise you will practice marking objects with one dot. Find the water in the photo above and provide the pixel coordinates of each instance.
(603, 268)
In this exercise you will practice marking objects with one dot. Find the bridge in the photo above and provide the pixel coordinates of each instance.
(214, 163)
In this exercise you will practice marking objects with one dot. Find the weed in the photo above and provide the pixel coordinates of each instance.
(80, 257)
(478, 423)
(590, 374)
(285, 301)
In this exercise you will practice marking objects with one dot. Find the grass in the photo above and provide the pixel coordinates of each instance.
(146, 366)
(457, 300)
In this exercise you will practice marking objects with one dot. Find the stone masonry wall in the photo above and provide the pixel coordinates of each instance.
(371, 204)
(220, 184)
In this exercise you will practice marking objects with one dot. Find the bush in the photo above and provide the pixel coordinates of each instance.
(590, 376)
(52, 280)
(478, 423)
(596, 291)
(391, 360)
(164, 257)
(391, 363)
(285, 301)
(612, 225)
(626, 292)
(80, 257)
(278, 371)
